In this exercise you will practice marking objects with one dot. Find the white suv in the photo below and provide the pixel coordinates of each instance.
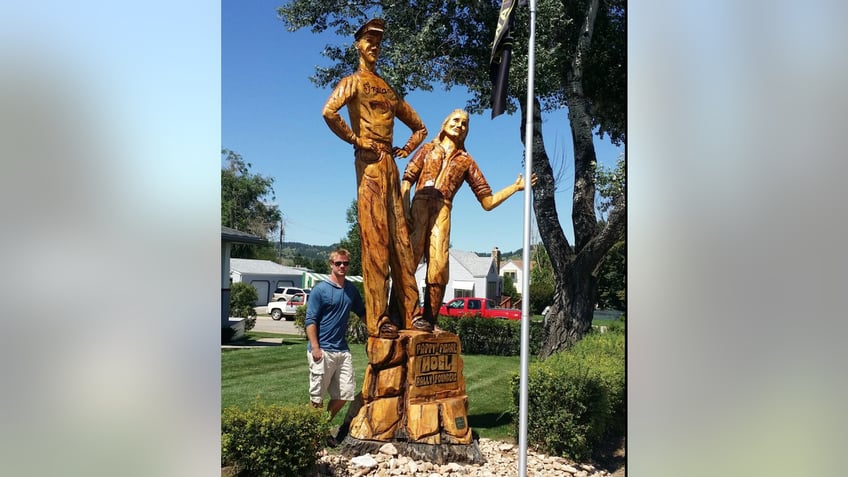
(286, 293)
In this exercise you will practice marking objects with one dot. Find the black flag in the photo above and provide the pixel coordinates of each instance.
(501, 54)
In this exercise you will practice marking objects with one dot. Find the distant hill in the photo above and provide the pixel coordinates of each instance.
(311, 252)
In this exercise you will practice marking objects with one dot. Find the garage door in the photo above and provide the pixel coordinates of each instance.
(262, 290)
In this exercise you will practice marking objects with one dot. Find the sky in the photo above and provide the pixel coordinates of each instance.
(271, 115)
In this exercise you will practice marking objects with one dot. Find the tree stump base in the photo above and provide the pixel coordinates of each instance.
(436, 453)
(413, 396)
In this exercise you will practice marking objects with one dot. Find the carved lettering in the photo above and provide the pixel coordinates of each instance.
(426, 348)
(435, 363)
(368, 89)
(433, 379)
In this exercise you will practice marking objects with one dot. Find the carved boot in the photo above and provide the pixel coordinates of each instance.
(419, 323)
(386, 329)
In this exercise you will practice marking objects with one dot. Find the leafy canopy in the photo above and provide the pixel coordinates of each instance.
(449, 43)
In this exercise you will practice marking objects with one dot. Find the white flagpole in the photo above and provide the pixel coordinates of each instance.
(525, 278)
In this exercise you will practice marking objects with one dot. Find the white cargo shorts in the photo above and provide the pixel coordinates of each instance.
(332, 374)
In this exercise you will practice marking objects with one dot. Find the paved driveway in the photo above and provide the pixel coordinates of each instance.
(266, 324)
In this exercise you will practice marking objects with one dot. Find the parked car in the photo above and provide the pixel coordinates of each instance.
(286, 307)
(478, 306)
(287, 292)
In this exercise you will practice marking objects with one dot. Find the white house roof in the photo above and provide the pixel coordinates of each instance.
(476, 265)
(262, 267)
(511, 263)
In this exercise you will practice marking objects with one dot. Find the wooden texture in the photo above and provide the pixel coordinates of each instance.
(414, 393)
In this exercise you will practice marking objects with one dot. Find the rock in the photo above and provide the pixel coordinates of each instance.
(388, 449)
(364, 461)
(500, 459)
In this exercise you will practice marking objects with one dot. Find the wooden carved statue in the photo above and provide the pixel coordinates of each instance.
(413, 393)
(439, 168)
(372, 108)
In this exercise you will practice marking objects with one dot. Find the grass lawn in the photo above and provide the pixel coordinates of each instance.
(279, 374)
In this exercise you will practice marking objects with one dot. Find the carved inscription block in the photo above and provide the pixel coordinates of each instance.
(414, 391)
(434, 368)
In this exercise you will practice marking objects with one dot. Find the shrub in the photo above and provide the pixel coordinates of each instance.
(242, 300)
(577, 397)
(272, 440)
(489, 336)
(300, 319)
(357, 331)
(541, 295)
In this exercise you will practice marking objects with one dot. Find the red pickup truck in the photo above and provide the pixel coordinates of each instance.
(478, 306)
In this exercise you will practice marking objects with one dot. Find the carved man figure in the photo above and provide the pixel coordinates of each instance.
(372, 108)
(439, 168)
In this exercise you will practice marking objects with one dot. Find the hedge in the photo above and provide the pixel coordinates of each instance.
(576, 398)
(272, 440)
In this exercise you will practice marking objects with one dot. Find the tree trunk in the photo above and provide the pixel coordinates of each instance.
(574, 268)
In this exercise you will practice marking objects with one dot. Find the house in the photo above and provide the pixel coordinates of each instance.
(470, 275)
(229, 236)
(513, 269)
(265, 276)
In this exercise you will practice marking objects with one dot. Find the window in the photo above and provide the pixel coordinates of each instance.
(459, 293)
(473, 304)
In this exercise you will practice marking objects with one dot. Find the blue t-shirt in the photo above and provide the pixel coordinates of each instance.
(329, 308)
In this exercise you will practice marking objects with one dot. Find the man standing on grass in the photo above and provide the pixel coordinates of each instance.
(330, 360)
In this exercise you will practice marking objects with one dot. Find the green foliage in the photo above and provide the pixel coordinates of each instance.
(588, 384)
(320, 265)
(300, 319)
(272, 440)
(542, 271)
(428, 43)
(280, 375)
(289, 251)
(245, 204)
(542, 282)
(541, 295)
(490, 336)
(612, 278)
(357, 331)
(509, 288)
(610, 184)
(579, 64)
(352, 242)
(242, 300)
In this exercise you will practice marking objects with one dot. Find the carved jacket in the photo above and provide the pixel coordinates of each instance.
(372, 107)
(430, 168)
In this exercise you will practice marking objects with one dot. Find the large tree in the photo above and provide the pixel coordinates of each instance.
(246, 206)
(580, 64)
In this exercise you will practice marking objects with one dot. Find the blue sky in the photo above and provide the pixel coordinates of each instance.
(271, 115)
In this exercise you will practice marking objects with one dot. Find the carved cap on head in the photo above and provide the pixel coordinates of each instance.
(375, 25)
